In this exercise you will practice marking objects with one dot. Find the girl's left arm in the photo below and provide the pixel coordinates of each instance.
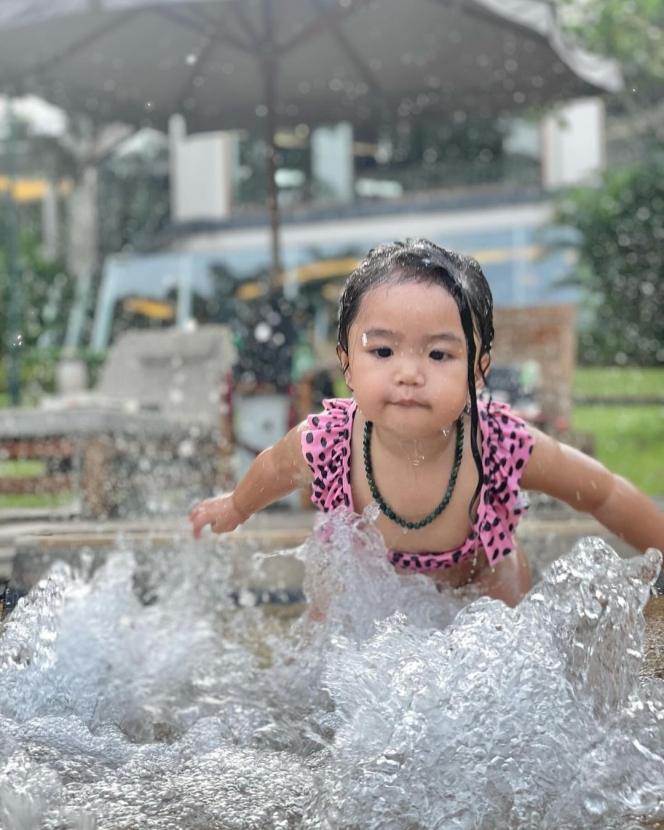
(586, 485)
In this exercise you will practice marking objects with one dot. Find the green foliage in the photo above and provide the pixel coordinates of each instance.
(44, 293)
(631, 31)
(134, 190)
(37, 372)
(620, 244)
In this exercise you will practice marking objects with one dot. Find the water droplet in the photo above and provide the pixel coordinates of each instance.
(371, 512)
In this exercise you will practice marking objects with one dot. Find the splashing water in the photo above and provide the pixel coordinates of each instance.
(388, 704)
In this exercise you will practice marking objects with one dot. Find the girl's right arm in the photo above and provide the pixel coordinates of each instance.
(275, 473)
(586, 485)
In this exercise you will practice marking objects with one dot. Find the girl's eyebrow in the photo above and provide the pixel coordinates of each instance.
(379, 333)
(443, 335)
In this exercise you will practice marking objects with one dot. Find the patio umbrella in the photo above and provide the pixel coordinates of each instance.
(230, 64)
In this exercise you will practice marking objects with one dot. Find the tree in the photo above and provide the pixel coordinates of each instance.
(620, 242)
(44, 289)
(632, 32)
(45, 296)
(134, 192)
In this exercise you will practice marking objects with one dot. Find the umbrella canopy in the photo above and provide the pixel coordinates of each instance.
(141, 60)
(236, 63)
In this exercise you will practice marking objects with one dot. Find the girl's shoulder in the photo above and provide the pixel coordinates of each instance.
(507, 444)
(335, 417)
(498, 415)
(326, 449)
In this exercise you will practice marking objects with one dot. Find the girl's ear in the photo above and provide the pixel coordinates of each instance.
(345, 366)
(482, 370)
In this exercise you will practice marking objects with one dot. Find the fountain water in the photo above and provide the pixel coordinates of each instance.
(385, 705)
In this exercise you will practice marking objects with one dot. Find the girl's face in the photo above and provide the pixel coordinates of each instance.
(408, 361)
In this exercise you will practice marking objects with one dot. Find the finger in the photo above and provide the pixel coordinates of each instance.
(199, 523)
(195, 513)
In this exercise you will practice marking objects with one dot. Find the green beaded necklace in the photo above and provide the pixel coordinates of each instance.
(384, 507)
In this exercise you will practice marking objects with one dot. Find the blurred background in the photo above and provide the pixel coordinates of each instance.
(185, 187)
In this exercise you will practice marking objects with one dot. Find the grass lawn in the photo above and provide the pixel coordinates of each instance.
(34, 500)
(630, 441)
(25, 469)
(614, 381)
(21, 469)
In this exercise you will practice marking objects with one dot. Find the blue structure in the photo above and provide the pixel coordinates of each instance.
(506, 238)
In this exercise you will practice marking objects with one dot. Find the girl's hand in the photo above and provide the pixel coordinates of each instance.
(220, 513)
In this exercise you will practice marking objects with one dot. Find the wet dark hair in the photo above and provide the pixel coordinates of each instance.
(418, 260)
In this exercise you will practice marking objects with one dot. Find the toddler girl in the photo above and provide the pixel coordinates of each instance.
(445, 467)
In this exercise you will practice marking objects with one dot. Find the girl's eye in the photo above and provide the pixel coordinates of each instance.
(436, 355)
(383, 351)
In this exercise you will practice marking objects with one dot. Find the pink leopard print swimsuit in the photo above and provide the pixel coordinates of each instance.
(506, 447)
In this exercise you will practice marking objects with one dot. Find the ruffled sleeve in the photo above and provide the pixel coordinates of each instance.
(326, 449)
(506, 447)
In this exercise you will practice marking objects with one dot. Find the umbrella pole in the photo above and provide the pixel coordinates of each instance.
(269, 66)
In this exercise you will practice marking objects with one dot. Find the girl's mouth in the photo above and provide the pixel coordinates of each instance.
(407, 402)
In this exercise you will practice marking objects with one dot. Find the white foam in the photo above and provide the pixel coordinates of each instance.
(389, 705)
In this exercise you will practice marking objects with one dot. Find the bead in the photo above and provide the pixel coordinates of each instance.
(384, 507)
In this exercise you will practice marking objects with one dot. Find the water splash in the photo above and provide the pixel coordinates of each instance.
(139, 697)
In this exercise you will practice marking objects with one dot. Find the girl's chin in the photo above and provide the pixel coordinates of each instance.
(412, 422)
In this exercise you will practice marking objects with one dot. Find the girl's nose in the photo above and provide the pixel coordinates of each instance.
(409, 371)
